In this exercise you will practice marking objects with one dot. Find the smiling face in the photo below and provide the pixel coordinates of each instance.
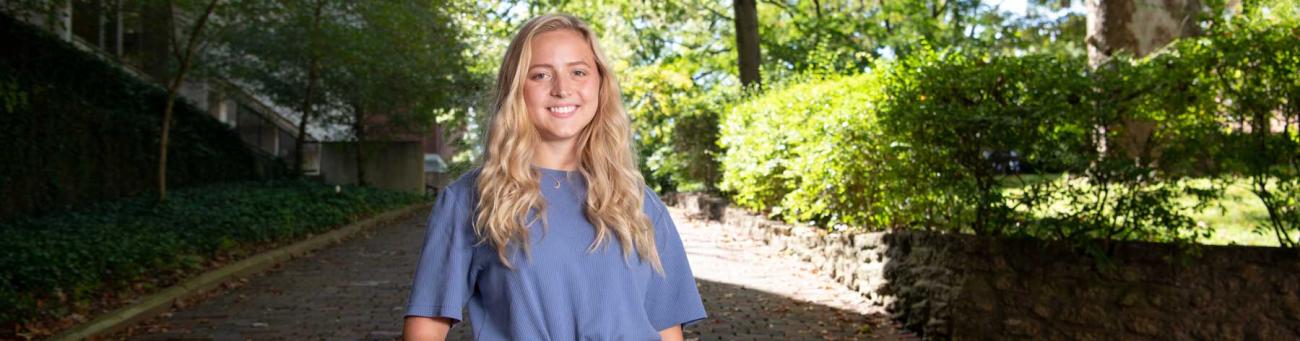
(562, 84)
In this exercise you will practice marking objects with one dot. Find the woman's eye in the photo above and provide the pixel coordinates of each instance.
(540, 76)
(580, 73)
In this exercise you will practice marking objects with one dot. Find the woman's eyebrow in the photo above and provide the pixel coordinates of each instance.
(548, 65)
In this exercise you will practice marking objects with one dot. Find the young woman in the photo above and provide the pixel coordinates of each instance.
(555, 236)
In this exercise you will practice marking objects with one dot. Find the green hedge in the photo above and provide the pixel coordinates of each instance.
(927, 142)
(810, 151)
(961, 115)
(51, 266)
(79, 130)
(953, 115)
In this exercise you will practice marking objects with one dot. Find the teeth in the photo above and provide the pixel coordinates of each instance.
(563, 110)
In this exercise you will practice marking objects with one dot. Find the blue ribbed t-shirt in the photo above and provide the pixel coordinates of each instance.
(564, 292)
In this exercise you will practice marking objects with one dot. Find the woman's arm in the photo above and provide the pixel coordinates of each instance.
(673, 333)
(427, 328)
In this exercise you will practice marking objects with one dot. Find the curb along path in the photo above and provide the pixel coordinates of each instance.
(150, 306)
(357, 290)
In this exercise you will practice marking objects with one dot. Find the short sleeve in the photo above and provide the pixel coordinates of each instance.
(442, 284)
(671, 299)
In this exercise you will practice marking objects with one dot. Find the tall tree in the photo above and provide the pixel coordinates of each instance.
(402, 64)
(368, 68)
(184, 57)
(746, 14)
(282, 52)
(314, 45)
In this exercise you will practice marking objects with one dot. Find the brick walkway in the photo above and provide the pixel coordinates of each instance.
(358, 290)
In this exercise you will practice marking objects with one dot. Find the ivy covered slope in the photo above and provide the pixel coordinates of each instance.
(79, 130)
(61, 264)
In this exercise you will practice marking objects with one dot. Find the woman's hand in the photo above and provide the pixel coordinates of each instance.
(426, 328)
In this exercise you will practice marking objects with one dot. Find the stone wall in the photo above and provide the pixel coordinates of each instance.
(967, 287)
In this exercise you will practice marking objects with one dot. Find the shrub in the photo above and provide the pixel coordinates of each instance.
(967, 120)
(1255, 68)
(946, 140)
(675, 120)
(810, 151)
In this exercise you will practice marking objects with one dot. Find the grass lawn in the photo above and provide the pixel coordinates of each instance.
(1234, 216)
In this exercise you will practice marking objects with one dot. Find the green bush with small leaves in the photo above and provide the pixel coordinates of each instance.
(810, 151)
(1255, 68)
(675, 124)
(1031, 145)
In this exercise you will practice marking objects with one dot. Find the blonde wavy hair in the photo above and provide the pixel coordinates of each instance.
(509, 187)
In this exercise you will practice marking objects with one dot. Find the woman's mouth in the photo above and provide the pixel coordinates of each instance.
(562, 111)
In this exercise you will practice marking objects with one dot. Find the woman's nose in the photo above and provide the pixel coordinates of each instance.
(560, 87)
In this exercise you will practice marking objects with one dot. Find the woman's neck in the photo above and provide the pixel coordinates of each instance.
(560, 155)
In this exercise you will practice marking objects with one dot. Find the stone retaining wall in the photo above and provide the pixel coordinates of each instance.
(967, 287)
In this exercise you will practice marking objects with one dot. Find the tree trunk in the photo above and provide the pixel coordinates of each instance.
(313, 62)
(185, 57)
(1139, 27)
(746, 12)
(359, 131)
